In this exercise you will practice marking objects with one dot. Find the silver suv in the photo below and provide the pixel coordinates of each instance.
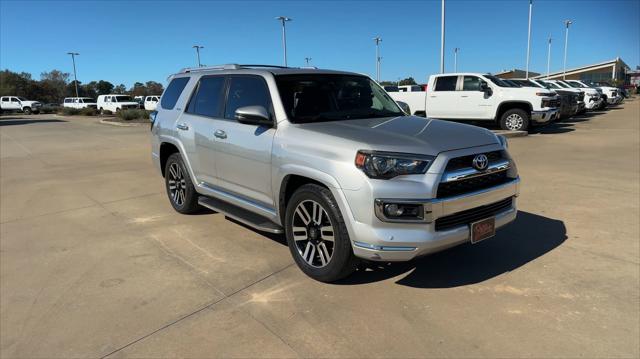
(329, 159)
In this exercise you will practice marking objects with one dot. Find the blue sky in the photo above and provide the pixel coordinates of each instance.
(128, 41)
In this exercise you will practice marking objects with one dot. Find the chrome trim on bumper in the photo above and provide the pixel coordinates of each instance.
(544, 116)
(439, 207)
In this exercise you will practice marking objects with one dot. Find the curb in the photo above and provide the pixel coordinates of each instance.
(511, 134)
(121, 124)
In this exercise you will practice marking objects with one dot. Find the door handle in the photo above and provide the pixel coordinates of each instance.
(182, 126)
(464, 96)
(220, 134)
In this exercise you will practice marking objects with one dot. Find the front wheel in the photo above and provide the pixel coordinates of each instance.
(515, 120)
(317, 236)
(27, 110)
(180, 189)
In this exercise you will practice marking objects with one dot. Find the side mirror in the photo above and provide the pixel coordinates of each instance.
(253, 115)
(484, 87)
(404, 106)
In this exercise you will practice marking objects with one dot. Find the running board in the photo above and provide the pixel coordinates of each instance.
(241, 215)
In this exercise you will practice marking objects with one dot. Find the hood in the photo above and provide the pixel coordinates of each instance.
(532, 91)
(31, 103)
(406, 134)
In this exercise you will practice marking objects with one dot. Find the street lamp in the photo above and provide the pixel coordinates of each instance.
(75, 78)
(548, 56)
(198, 47)
(529, 39)
(442, 41)
(307, 60)
(566, 44)
(284, 19)
(377, 40)
(455, 59)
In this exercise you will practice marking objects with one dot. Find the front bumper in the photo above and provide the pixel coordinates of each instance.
(405, 241)
(544, 116)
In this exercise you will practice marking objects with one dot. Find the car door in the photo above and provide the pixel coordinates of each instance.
(473, 102)
(15, 104)
(5, 103)
(197, 127)
(243, 156)
(441, 102)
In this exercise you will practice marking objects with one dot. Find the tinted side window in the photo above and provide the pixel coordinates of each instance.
(207, 100)
(172, 93)
(246, 91)
(471, 83)
(446, 83)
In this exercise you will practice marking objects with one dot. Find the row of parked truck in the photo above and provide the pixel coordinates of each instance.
(514, 104)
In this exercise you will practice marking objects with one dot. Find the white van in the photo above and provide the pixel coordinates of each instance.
(79, 102)
(115, 103)
(151, 102)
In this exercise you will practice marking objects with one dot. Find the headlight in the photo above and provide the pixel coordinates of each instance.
(385, 165)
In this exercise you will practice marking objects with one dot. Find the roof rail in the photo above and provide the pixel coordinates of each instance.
(229, 67)
(207, 68)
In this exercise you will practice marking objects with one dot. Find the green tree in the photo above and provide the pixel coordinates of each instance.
(408, 81)
(154, 88)
(104, 87)
(138, 89)
(120, 89)
(56, 82)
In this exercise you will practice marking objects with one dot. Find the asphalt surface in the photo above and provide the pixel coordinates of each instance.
(94, 262)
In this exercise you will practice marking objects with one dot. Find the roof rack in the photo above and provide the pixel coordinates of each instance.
(228, 67)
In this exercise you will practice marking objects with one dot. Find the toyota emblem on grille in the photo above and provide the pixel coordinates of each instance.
(480, 162)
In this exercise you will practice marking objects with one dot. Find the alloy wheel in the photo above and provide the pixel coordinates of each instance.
(514, 122)
(313, 233)
(177, 184)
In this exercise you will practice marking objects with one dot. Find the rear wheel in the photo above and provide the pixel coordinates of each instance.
(515, 120)
(317, 236)
(180, 189)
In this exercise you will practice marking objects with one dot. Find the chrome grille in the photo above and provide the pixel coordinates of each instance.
(472, 215)
(455, 188)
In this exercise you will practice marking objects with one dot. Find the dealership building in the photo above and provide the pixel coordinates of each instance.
(612, 70)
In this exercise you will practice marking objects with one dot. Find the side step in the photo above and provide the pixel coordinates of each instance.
(241, 215)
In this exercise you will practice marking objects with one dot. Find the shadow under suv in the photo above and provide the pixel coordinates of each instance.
(329, 159)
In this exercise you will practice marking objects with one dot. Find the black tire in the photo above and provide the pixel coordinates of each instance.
(180, 189)
(101, 111)
(26, 110)
(515, 120)
(342, 261)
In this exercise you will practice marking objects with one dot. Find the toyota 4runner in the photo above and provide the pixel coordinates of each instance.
(331, 161)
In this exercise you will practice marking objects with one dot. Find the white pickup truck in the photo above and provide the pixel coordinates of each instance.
(16, 103)
(482, 97)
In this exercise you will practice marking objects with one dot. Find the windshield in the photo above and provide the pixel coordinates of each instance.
(326, 97)
(577, 85)
(550, 85)
(526, 83)
(22, 99)
(498, 81)
(122, 98)
(512, 83)
(562, 84)
(88, 100)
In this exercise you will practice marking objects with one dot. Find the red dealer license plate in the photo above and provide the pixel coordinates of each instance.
(482, 230)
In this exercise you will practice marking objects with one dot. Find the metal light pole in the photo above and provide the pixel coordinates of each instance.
(442, 41)
(307, 60)
(529, 39)
(566, 44)
(198, 47)
(377, 39)
(284, 19)
(75, 78)
(455, 59)
(549, 57)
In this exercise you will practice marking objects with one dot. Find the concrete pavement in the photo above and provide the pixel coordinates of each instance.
(94, 261)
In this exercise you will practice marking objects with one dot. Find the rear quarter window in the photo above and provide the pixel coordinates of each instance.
(446, 83)
(172, 93)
